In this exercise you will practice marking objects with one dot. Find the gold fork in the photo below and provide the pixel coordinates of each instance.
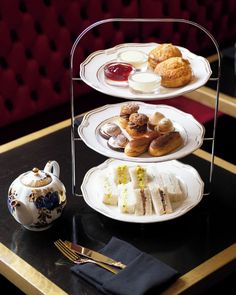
(72, 256)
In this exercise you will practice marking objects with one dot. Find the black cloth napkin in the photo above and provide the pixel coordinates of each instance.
(143, 272)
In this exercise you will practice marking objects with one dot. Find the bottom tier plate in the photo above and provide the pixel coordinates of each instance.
(186, 174)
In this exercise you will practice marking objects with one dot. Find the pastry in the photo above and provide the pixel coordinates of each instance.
(174, 72)
(118, 142)
(136, 147)
(165, 125)
(143, 202)
(151, 134)
(126, 111)
(162, 52)
(137, 125)
(165, 144)
(154, 120)
(108, 130)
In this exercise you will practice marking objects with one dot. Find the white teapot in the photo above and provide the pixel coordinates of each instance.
(36, 198)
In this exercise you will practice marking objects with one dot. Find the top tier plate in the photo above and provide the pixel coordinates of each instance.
(91, 72)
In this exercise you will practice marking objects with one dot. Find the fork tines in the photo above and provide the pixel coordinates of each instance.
(70, 254)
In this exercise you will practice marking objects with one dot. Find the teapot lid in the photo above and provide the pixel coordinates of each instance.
(36, 178)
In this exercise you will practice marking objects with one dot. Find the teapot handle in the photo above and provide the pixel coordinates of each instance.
(52, 167)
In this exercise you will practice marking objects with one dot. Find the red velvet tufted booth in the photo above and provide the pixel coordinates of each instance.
(36, 37)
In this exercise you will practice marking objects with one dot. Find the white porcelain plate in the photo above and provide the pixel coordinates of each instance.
(186, 174)
(92, 73)
(190, 129)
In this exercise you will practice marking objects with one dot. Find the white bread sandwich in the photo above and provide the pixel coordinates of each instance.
(109, 191)
(160, 200)
(127, 198)
(144, 202)
(173, 187)
(121, 174)
(138, 176)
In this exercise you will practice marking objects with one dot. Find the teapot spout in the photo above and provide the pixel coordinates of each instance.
(21, 212)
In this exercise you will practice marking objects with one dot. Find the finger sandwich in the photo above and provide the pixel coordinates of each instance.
(109, 191)
(127, 198)
(160, 200)
(143, 202)
(173, 188)
(121, 174)
(138, 177)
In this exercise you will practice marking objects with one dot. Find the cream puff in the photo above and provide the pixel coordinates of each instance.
(126, 111)
(137, 125)
(165, 125)
(154, 120)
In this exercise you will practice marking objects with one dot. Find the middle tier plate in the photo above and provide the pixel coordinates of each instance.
(190, 129)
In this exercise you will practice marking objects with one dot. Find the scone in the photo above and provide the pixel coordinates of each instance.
(137, 125)
(126, 111)
(174, 72)
(162, 52)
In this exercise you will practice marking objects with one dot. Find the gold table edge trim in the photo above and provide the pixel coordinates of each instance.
(31, 281)
(24, 276)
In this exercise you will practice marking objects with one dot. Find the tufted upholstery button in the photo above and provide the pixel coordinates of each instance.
(19, 79)
(8, 104)
(38, 27)
(13, 35)
(34, 95)
(3, 63)
(28, 53)
(37, 36)
(60, 20)
(43, 71)
(22, 6)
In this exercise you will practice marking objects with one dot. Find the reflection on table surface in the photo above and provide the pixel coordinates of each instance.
(183, 243)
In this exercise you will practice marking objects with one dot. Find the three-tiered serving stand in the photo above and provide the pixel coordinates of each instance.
(74, 82)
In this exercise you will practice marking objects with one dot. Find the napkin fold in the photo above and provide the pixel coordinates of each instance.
(142, 273)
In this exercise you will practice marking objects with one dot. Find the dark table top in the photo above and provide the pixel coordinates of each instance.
(183, 243)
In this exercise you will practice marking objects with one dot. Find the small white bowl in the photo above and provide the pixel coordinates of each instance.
(144, 82)
(136, 58)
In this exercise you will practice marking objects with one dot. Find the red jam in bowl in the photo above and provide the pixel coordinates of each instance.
(118, 71)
